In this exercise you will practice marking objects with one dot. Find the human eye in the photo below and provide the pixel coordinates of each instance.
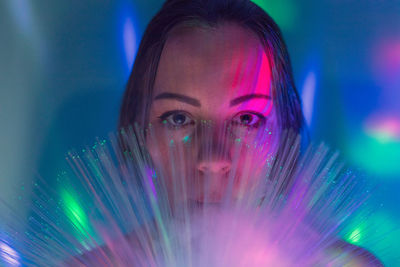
(248, 119)
(176, 119)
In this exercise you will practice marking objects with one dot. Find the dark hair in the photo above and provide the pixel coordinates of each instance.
(137, 98)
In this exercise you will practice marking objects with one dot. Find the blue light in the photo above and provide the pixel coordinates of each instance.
(130, 42)
(308, 96)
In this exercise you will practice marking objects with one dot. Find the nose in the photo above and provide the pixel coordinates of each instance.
(213, 149)
(214, 166)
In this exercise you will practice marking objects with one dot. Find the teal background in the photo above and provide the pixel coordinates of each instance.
(64, 65)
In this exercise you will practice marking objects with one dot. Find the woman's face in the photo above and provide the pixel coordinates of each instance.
(220, 76)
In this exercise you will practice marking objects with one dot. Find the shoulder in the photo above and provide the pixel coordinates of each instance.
(352, 256)
(117, 252)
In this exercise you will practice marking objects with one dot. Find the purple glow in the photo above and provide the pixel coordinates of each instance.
(308, 94)
(387, 60)
(151, 174)
(129, 37)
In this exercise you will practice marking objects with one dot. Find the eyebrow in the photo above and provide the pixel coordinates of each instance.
(244, 98)
(179, 97)
(194, 102)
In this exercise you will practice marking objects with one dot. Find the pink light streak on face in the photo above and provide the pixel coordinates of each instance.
(264, 82)
(258, 71)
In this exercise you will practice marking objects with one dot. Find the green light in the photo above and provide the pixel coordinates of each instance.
(378, 233)
(75, 213)
(354, 236)
(383, 138)
(284, 12)
(376, 154)
(186, 139)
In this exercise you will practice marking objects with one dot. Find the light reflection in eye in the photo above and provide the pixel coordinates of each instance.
(179, 119)
(176, 118)
(248, 119)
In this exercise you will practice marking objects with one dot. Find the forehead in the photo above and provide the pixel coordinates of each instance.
(225, 61)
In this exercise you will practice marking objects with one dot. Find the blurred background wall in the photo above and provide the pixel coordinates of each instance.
(64, 65)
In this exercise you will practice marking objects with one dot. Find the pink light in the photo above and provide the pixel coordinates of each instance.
(387, 60)
(8, 254)
(384, 128)
(264, 80)
(258, 70)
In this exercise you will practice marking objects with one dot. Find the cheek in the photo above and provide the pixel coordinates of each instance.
(158, 144)
(263, 139)
(171, 154)
(256, 151)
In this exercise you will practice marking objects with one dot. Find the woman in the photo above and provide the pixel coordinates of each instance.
(224, 62)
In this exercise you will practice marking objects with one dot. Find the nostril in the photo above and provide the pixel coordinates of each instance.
(216, 166)
(225, 169)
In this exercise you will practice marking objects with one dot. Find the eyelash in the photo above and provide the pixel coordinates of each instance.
(164, 119)
(261, 118)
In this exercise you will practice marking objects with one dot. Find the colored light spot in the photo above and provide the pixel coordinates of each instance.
(384, 129)
(377, 150)
(186, 139)
(378, 233)
(376, 157)
(308, 95)
(386, 60)
(354, 236)
(129, 39)
(284, 12)
(76, 214)
(9, 255)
